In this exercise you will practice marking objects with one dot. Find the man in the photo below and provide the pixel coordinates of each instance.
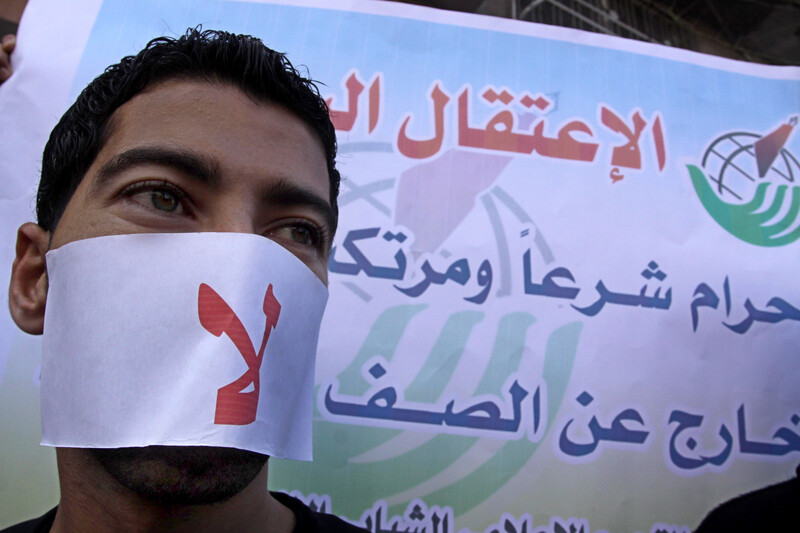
(10, 13)
(7, 44)
(771, 508)
(211, 132)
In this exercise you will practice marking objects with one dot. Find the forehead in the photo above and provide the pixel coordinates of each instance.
(244, 138)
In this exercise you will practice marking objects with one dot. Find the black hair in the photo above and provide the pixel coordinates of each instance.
(214, 56)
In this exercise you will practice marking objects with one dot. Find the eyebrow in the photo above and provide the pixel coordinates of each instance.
(284, 193)
(194, 165)
(280, 193)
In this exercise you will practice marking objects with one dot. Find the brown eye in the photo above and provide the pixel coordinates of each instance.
(164, 200)
(301, 235)
(298, 233)
(157, 195)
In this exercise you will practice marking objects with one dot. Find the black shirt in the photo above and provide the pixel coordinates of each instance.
(773, 508)
(307, 521)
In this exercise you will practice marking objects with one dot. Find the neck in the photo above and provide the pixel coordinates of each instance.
(93, 501)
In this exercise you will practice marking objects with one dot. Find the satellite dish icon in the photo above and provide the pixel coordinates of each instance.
(748, 183)
(737, 162)
(769, 146)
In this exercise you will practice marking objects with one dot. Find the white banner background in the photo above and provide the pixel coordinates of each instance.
(600, 220)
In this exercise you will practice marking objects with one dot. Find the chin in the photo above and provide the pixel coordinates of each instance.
(182, 475)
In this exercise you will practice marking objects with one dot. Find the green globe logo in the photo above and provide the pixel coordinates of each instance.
(748, 184)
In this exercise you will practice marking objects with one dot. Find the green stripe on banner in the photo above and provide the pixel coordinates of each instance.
(336, 445)
(494, 473)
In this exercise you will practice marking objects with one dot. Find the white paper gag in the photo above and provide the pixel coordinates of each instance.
(157, 339)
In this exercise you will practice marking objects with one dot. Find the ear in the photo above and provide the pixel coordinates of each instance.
(27, 292)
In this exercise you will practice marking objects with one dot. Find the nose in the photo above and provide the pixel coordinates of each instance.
(232, 227)
(231, 217)
(239, 212)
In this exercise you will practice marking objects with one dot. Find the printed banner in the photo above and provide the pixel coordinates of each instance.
(563, 287)
(180, 339)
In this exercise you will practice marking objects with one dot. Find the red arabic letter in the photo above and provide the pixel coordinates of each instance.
(468, 136)
(498, 135)
(565, 146)
(235, 407)
(344, 120)
(374, 103)
(627, 155)
(421, 149)
(658, 140)
(272, 310)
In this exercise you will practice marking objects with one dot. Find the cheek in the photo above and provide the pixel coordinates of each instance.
(71, 228)
(80, 223)
(320, 268)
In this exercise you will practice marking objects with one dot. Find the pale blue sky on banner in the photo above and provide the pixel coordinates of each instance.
(412, 56)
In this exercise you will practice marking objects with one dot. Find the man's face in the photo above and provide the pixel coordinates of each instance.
(188, 156)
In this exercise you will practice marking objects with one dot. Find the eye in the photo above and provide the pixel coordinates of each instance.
(158, 195)
(299, 233)
(164, 200)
